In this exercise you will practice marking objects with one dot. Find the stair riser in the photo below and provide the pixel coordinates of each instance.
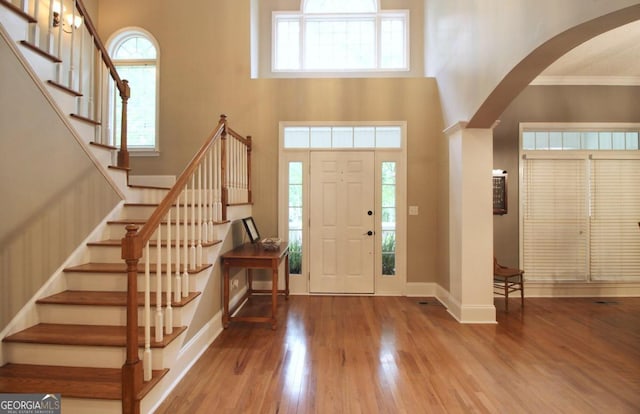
(112, 254)
(143, 212)
(66, 102)
(94, 356)
(105, 156)
(117, 231)
(100, 315)
(15, 25)
(116, 282)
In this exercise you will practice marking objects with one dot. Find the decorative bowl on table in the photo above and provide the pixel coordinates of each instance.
(270, 243)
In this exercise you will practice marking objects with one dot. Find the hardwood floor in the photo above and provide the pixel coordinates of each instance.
(398, 355)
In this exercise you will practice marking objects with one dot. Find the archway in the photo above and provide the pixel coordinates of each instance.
(543, 56)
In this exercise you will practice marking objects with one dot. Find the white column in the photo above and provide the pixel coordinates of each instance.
(470, 224)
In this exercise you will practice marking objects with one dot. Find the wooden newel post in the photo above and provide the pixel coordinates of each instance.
(249, 146)
(132, 368)
(223, 168)
(123, 154)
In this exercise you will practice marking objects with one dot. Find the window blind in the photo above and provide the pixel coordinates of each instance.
(615, 213)
(555, 219)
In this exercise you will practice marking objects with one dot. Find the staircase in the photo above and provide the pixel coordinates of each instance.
(85, 327)
(78, 347)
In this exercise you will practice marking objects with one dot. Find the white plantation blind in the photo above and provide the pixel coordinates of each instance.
(615, 213)
(555, 219)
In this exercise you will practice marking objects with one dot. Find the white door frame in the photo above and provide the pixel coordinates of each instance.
(384, 285)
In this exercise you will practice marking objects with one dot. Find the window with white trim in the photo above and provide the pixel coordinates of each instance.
(342, 137)
(340, 36)
(134, 53)
(580, 202)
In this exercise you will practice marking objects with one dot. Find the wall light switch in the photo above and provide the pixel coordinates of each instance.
(413, 210)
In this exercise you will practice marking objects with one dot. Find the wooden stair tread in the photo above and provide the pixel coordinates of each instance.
(97, 298)
(72, 382)
(40, 52)
(85, 335)
(103, 146)
(151, 187)
(152, 243)
(84, 119)
(121, 267)
(64, 88)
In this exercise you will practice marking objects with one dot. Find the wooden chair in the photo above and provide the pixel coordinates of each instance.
(507, 280)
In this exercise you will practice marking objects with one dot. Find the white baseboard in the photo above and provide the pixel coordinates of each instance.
(419, 289)
(577, 290)
(472, 314)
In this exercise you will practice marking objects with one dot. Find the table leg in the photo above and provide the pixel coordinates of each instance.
(225, 310)
(274, 293)
(286, 276)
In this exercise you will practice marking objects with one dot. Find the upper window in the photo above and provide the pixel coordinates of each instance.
(580, 140)
(340, 36)
(342, 137)
(135, 55)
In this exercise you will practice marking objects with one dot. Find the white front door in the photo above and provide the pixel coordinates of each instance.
(342, 222)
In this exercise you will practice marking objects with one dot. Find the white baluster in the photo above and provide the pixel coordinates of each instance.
(50, 26)
(169, 311)
(185, 275)
(34, 29)
(220, 179)
(210, 199)
(204, 206)
(193, 250)
(146, 357)
(81, 99)
(177, 294)
(199, 223)
(71, 50)
(243, 173)
(216, 177)
(159, 319)
(232, 169)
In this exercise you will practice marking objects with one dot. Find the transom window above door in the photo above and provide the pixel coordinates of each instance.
(342, 137)
(340, 36)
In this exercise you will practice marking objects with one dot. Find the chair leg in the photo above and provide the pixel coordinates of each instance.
(506, 295)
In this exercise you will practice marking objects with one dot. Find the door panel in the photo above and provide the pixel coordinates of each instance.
(342, 192)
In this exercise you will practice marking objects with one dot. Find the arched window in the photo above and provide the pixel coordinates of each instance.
(340, 36)
(135, 55)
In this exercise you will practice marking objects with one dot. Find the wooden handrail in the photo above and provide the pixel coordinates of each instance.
(122, 85)
(145, 233)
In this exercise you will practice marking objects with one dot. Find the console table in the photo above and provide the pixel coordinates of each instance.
(253, 256)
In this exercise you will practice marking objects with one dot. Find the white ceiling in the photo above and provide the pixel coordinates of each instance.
(612, 58)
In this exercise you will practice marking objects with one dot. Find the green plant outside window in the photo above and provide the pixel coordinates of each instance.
(295, 217)
(388, 191)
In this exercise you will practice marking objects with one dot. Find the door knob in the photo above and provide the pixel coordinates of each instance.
(369, 233)
(371, 213)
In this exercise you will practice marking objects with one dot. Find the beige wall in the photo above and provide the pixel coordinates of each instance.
(205, 71)
(473, 46)
(550, 104)
(53, 195)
